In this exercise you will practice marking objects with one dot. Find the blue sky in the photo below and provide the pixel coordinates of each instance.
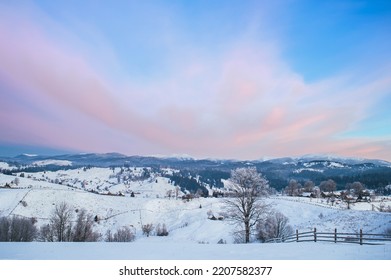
(226, 79)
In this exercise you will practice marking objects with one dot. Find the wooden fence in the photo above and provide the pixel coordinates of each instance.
(336, 237)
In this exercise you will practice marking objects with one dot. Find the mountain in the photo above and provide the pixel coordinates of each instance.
(373, 173)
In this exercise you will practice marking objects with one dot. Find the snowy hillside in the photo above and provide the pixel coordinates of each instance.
(52, 162)
(192, 235)
(186, 221)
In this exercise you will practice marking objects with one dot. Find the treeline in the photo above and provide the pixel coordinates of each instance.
(35, 169)
(196, 181)
(376, 179)
(186, 182)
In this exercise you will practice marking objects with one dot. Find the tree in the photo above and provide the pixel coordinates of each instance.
(17, 229)
(293, 188)
(60, 227)
(244, 206)
(328, 186)
(17, 181)
(357, 187)
(169, 193)
(275, 226)
(309, 186)
(83, 230)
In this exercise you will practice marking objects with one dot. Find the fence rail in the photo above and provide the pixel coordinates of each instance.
(336, 237)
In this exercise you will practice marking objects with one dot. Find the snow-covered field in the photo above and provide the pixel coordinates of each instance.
(191, 234)
(154, 249)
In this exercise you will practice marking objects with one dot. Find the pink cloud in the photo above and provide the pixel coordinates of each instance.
(244, 102)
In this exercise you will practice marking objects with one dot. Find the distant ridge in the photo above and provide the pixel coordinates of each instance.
(100, 159)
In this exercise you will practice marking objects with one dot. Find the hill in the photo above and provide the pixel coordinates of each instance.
(374, 174)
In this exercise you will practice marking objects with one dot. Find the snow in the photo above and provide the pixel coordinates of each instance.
(6, 166)
(191, 234)
(52, 162)
(308, 169)
(156, 250)
(330, 164)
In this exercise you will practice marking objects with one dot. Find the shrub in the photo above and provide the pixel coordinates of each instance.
(147, 229)
(275, 226)
(161, 230)
(124, 234)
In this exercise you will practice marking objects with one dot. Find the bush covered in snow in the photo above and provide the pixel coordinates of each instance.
(275, 226)
(161, 230)
(124, 234)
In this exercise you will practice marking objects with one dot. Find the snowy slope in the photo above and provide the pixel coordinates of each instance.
(6, 166)
(186, 221)
(52, 162)
(191, 234)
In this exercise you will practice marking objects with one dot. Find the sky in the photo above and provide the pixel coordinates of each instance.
(209, 79)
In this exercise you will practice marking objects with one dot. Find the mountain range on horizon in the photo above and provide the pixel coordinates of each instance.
(279, 171)
(185, 157)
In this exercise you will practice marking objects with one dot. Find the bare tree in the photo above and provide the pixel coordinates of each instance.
(244, 206)
(147, 229)
(46, 233)
(17, 229)
(61, 223)
(169, 193)
(83, 230)
(5, 225)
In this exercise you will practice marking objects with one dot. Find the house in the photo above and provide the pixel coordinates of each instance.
(364, 196)
(306, 194)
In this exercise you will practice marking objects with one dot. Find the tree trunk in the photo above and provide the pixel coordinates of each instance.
(247, 229)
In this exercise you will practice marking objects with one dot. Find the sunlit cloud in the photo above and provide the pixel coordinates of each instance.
(242, 102)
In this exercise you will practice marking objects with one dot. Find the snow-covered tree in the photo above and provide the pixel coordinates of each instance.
(293, 188)
(124, 234)
(275, 226)
(328, 186)
(358, 188)
(244, 205)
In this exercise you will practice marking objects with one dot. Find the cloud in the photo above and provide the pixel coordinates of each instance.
(243, 102)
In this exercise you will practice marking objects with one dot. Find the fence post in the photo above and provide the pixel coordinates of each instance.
(297, 235)
(315, 234)
(360, 236)
(335, 235)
